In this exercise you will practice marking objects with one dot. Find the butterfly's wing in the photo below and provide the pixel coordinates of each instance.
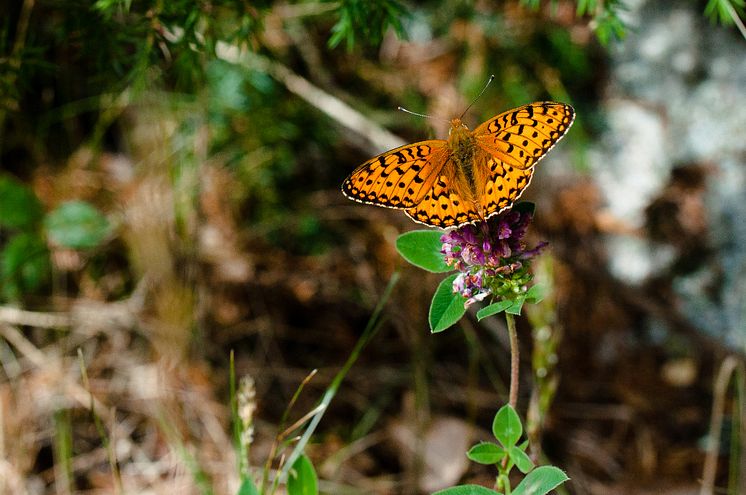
(510, 144)
(399, 178)
(503, 185)
(442, 206)
(519, 138)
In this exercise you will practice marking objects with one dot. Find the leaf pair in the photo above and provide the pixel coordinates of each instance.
(507, 429)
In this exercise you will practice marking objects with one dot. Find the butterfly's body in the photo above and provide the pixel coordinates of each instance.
(468, 178)
(462, 148)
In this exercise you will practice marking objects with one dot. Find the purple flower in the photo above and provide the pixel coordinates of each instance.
(471, 287)
(491, 257)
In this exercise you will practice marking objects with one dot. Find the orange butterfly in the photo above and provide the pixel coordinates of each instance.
(468, 178)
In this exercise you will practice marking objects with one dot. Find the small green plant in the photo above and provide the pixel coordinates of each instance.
(492, 263)
(27, 231)
(506, 454)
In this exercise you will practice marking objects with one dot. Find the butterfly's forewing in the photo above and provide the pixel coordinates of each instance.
(442, 206)
(519, 138)
(399, 178)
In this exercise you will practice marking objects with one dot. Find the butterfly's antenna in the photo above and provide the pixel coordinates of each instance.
(492, 77)
(418, 114)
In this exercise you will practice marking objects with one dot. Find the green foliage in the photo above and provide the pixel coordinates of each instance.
(422, 249)
(76, 225)
(507, 429)
(724, 11)
(367, 20)
(486, 453)
(19, 207)
(604, 13)
(540, 481)
(534, 295)
(247, 487)
(303, 479)
(522, 461)
(24, 265)
(495, 308)
(608, 26)
(24, 259)
(466, 490)
(446, 307)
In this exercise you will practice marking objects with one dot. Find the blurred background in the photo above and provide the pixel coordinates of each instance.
(169, 195)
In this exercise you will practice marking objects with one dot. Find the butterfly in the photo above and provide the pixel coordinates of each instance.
(470, 176)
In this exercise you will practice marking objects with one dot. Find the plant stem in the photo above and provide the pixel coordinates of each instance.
(503, 482)
(514, 360)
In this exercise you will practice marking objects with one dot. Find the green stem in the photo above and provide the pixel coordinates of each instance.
(514, 360)
(503, 482)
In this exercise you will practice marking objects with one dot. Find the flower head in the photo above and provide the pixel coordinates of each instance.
(491, 256)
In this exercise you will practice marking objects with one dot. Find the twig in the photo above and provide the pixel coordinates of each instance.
(379, 138)
(45, 362)
(83, 313)
(20, 317)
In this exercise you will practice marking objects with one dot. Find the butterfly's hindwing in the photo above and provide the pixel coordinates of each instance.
(399, 178)
(503, 187)
(443, 207)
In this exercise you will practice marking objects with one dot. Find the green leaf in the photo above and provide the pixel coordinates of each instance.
(467, 490)
(77, 225)
(486, 453)
(24, 265)
(19, 206)
(446, 307)
(303, 479)
(522, 461)
(507, 426)
(516, 306)
(247, 488)
(541, 481)
(535, 294)
(422, 249)
(494, 309)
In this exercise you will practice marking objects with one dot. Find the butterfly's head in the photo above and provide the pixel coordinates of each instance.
(457, 126)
